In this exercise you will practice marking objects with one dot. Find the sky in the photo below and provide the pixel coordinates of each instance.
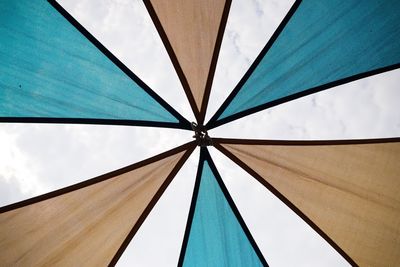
(37, 158)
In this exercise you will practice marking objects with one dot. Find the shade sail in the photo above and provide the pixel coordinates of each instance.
(349, 190)
(88, 223)
(216, 234)
(54, 70)
(317, 46)
(192, 32)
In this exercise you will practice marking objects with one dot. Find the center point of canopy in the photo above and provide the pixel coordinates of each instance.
(201, 135)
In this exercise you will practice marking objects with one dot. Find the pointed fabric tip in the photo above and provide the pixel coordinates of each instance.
(215, 235)
(318, 45)
(189, 30)
(88, 224)
(348, 191)
(53, 70)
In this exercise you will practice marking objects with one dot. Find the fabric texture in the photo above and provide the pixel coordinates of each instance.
(216, 237)
(192, 29)
(84, 227)
(324, 41)
(351, 192)
(49, 69)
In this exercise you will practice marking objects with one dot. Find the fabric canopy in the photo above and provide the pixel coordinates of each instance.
(192, 32)
(318, 46)
(88, 223)
(349, 190)
(53, 70)
(215, 226)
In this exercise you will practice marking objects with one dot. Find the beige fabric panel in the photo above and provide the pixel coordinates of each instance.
(192, 28)
(85, 227)
(351, 192)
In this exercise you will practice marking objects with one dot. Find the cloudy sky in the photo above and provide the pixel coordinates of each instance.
(37, 158)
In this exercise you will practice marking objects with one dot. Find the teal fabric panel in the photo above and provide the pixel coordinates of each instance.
(324, 41)
(49, 69)
(216, 237)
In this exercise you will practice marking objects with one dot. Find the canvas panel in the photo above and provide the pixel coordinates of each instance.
(323, 42)
(351, 192)
(84, 227)
(192, 29)
(51, 70)
(216, 238)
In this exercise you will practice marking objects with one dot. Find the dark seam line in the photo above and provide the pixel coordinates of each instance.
(285, 201)
(301, 94)
(94, 121)
(118, 63)
(214, 61)
(191, 209)
(97, 179)
(151, 205)
(173, 58)
(252, 68)
(234, 208)
(305, 142)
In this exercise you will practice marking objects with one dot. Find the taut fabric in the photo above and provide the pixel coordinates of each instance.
(216, 237)
(351, 192)
(324, 42)
(85, 227)
(192, 28)
(49, 69)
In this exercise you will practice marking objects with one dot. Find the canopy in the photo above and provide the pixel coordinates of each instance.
(55, 71)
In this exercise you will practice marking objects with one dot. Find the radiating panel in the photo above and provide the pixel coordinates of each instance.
(216, 238)
(322, 43)
(350, 191)
(277, 230)
(191, 28)
(255, 21)
(49, 69)
(85, 226)
(164, 239)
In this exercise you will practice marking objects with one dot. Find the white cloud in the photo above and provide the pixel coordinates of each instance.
(38, 158)
(283, 237)
(365, 108)
(250, 25)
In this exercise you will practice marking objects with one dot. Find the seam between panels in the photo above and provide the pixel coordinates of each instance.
(191, 210)
(183, 123)
(235, 209)
(173, 58)
(307, 92)
(228, 141)
(287, 202)
(98, 179)
(92, 121)
(151, 204)
(213, 122)
(214, 61)
(205, 156)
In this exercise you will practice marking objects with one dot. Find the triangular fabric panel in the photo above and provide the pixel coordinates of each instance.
(324, 42)
(84, 227)
(216, 238)
(49, 69)
(192, 29)
(351, 192)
